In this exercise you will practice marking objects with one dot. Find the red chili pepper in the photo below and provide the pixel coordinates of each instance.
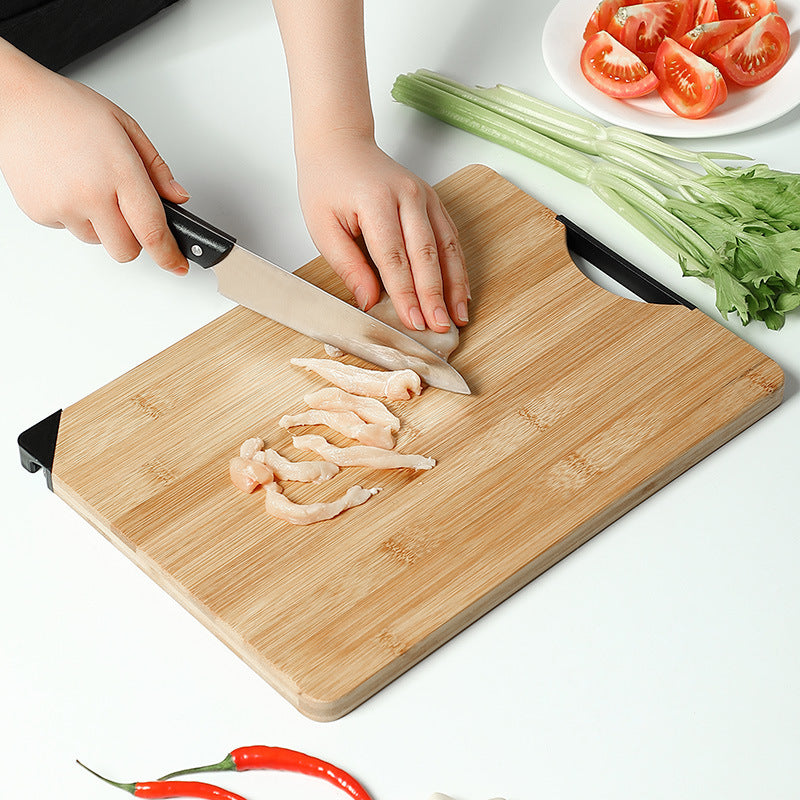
(264, 757)
(166, 788)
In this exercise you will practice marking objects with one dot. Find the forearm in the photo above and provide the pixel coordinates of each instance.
(325, 54)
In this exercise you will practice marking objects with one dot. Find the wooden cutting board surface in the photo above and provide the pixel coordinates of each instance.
(583, 404)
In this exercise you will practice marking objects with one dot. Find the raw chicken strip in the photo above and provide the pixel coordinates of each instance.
(400, 384)
(370, 409)
(251, 446)
(305, 471)
(361, 455)
(305, 514)
(344, 422)
(248, 474)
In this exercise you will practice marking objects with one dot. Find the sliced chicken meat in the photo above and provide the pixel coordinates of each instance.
(345, 422)
(401, 384)
(370, 409)
(248, 474)
(303, 471)
(251, 446)
(361, 455)
(280, 506)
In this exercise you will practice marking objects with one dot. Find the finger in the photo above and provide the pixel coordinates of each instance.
(143, 212)
(423, 252)
(83, 230)
(160, 174)
(383, 235)
(455, 280)
(349, 263)
(115, 234)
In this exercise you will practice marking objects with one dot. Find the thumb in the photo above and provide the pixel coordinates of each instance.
(157, 169)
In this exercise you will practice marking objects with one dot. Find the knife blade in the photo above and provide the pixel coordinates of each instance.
(257, 284)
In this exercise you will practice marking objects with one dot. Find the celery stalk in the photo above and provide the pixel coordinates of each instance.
(735, 227)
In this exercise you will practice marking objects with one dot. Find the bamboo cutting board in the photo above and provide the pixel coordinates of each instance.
(583, 404)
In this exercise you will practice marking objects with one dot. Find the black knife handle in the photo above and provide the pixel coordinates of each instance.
(618, 268)
(197, 239)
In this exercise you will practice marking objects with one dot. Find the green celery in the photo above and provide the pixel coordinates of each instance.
(737, 227)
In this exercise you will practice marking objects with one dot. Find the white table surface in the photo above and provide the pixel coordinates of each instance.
(661, 660)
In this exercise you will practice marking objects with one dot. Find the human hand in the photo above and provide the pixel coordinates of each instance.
(74, 160)
(349, 188)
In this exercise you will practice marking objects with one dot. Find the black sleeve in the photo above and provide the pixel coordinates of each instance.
(57, 32)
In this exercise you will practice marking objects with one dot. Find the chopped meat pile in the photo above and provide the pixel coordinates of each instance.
(351, 408)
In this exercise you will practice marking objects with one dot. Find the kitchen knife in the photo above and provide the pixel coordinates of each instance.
(273, 292)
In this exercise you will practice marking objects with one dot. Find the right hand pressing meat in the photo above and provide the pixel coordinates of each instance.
(74, 160)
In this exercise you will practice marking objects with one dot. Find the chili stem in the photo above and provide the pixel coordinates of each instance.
(226, 765)
(128, 787)
(159, 790)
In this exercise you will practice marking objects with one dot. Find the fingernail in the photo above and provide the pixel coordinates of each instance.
(180, 270)
(440, 317)
(461, 310)
(417, 320)
(362, 297)
(179, 189)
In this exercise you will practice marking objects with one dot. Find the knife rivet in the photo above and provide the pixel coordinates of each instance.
(197, 250)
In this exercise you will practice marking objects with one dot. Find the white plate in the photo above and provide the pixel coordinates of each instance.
(562, 41)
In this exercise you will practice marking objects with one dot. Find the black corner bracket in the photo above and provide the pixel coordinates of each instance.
(37, 446)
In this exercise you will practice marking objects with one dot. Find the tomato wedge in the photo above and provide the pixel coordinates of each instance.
(710, 36)
(602, 16)
(687, 83)
(613, 69)
(736, 9)
(704, 11)
(757, 54)
(642, 28)
(604, 12)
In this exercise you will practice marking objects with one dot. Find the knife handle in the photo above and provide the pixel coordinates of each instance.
(198, 240)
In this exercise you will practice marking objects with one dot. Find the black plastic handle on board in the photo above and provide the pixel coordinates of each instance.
(618, 268)
(37, 446)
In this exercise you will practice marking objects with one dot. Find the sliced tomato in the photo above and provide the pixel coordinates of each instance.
(710, 36)
(704, 11)
(605, 11)
(735, 9)
(687, 83)
(602, 15)
(642, 28)
(685, 16)
(757, 54)
(613, 69)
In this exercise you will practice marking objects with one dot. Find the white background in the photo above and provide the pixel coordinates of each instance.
(661, 660)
